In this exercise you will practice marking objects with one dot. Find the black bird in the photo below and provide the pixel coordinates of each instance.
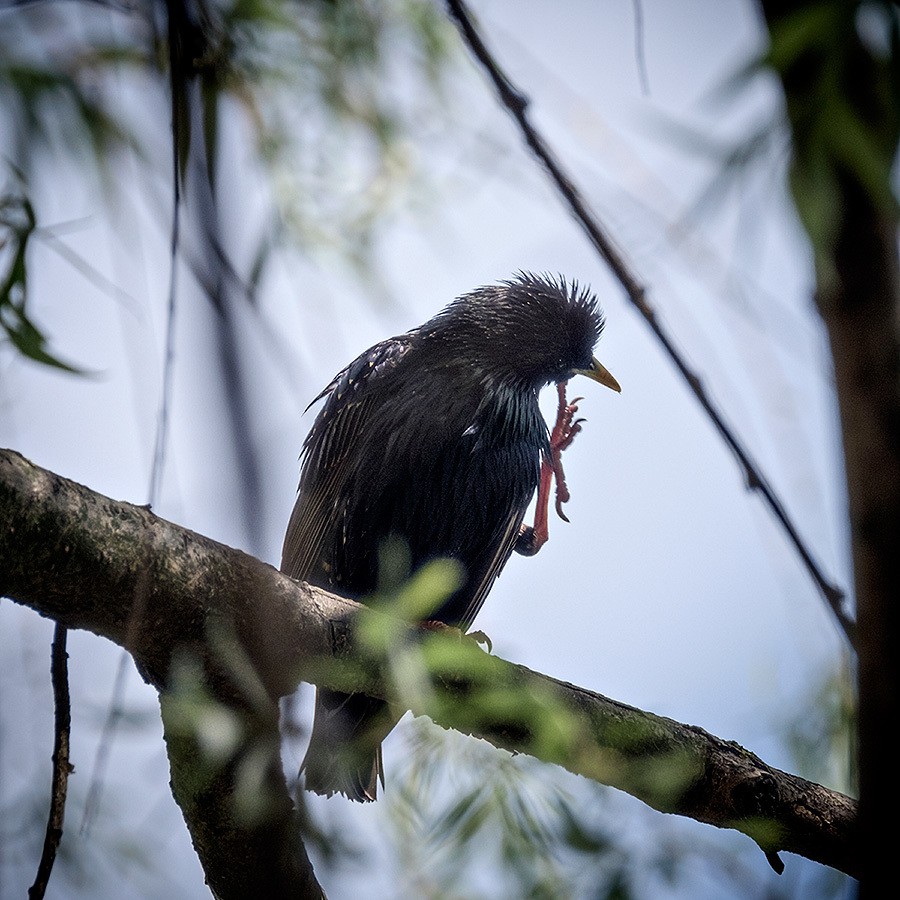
(433, 438)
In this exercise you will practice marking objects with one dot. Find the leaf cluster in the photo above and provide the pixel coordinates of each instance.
(840, 64)
(17, 226)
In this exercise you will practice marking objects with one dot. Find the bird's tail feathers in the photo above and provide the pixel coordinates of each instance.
(344, 753)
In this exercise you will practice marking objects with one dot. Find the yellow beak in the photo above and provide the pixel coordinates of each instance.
(598, 372)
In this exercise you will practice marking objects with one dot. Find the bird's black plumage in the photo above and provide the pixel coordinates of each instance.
(434, 438)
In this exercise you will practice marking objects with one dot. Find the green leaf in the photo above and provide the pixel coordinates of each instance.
(17, 225)
(811, 27)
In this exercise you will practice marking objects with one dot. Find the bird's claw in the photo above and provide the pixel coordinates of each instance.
(479, 638)
(564, 431)
(530, 540)
(476, 637)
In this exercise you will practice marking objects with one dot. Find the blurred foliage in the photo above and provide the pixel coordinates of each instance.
(840, 66)
(822, 736)
(327, 90)
(839, 63)
(17, 227)
(324, 92)
(218, 736)
(51, 92)
(461, 808)
(474, 821)
(471, 821)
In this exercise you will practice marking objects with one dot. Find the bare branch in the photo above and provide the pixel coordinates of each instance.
(61, 766)
(94, 563)
(131, 576)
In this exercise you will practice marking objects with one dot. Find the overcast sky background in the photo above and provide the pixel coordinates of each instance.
(671, 589)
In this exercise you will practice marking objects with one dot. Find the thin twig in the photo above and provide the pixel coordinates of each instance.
(107, 734)
(78, 262)
(62, 720)
(639, 54)
(116, 702)
(162, 427)
(516, 103)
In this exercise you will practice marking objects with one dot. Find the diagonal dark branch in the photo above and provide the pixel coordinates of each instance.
(93, 563)
(61, 767)
(516, 103)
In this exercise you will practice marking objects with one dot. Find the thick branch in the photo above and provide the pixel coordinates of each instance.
(163, 591)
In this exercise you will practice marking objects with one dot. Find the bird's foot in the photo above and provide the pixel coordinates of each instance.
(476, 637)
(479, 638)
(564, 431)
(531, 539)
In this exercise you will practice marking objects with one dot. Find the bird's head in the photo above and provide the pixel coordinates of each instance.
(531, 330)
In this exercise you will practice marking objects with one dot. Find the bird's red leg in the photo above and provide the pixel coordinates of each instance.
(532, 538)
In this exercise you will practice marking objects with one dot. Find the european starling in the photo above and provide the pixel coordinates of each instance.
(434, 439)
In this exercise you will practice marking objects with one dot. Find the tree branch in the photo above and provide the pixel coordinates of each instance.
(169, 595)
(62, 768)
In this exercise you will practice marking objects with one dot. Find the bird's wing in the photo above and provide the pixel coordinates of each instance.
(338, 427)
(491, 569)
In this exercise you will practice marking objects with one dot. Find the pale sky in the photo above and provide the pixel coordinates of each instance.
(671, 589)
